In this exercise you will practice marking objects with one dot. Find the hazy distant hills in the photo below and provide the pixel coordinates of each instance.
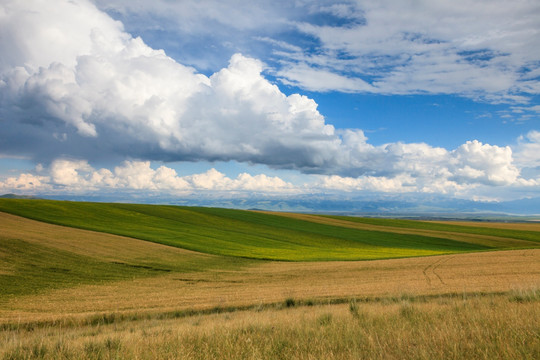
(400, 206)
(14, 196)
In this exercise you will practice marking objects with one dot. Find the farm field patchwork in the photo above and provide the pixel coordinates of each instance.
(73, 292)
(248, 234)
(61, 271)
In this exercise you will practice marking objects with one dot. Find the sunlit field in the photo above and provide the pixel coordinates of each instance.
(463, 327)
(273, 236)
(74, 293)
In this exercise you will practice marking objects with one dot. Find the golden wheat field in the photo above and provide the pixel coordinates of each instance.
(475, 305)
(475, 327)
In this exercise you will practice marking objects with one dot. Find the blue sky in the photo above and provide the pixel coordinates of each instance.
(270, 98)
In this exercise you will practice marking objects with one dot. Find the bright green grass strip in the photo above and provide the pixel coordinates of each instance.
(234, 232)
(415, 224)
(366, 237)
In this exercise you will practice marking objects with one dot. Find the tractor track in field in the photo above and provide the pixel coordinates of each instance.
(430, 271)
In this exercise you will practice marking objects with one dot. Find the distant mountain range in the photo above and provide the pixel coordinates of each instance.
(14, 196)
(406, 206)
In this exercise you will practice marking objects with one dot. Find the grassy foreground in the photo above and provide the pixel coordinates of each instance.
(478, 327)
(269, 236)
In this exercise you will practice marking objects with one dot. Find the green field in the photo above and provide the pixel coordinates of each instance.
(256, 235)
(448, 227)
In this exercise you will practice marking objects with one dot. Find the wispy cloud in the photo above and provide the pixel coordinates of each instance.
(486, 50)
(470, 49)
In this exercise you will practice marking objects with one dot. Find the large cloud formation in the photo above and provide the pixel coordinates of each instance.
(74, 84)
(109, 93)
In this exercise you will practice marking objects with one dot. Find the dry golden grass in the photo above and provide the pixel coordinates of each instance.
(273, 282)
(487, 327)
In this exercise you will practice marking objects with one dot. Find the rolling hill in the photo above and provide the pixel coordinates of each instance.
(67, 291)
(273, 236)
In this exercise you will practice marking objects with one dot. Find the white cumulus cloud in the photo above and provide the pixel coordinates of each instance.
(112, 95)
(78, 176)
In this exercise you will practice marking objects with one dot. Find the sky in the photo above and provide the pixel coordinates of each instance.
(271, 98)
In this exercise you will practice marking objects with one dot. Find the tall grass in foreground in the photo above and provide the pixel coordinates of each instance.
(477, 327)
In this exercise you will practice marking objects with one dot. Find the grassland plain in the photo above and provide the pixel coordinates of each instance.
(266, 236)
(477, 327)
(74, 293)
(131, 276)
